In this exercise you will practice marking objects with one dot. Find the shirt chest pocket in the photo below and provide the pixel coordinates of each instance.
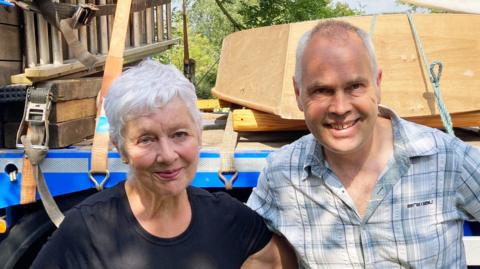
(419, 229)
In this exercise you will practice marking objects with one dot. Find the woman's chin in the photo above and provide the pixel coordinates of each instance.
(170, 186)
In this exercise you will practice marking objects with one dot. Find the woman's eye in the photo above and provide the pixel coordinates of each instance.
(146, 140)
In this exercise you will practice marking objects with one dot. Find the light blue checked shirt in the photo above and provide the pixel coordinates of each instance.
(414, 218)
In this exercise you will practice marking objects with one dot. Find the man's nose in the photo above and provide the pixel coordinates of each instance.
(339, 103)
(166, 152)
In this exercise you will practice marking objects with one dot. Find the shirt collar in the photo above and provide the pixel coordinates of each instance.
(410, 140)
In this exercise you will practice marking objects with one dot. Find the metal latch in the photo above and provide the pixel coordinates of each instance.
(83, 15)
(37, 110)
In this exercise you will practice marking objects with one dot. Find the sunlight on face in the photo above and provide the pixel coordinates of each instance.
(162, 148)
(339, 97)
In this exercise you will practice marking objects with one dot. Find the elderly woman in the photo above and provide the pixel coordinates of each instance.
(155, 219)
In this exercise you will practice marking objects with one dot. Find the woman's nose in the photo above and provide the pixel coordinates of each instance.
(166, 152)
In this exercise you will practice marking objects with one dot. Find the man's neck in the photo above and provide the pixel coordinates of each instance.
(360, 170)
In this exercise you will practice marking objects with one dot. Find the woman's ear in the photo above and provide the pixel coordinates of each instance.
(123, 156)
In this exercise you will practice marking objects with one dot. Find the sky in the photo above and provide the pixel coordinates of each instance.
(375, 6)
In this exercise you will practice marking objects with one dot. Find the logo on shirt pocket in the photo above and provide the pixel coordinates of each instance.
(418, 204)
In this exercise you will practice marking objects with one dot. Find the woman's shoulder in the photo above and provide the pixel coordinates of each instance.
(218, 200)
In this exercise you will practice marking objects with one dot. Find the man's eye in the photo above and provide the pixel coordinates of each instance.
(355, 86)
(322, 91)
(180, 135)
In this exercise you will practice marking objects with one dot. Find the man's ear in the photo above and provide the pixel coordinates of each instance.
(297, 94)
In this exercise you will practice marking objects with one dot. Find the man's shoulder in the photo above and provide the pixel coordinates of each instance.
(299, 148)
(424, 140)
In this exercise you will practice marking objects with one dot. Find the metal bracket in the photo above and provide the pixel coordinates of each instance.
(83, 15)
(37, 110)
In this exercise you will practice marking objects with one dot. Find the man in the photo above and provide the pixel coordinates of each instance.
(365, 189)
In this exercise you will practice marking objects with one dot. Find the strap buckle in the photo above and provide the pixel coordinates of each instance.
(37, 110)
(83, 15)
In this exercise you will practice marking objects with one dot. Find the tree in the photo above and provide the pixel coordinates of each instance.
(270, 12)
(201, 48)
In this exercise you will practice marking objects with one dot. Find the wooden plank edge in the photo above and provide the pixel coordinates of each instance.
(208, 104)
(21, 79)
(463, 119)
(73, 66)
(248, 120)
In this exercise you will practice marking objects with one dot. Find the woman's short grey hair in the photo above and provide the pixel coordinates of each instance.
(332, 29)
(143, 88)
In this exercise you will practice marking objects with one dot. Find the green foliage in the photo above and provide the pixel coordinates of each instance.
(270, 12)
(206, 29)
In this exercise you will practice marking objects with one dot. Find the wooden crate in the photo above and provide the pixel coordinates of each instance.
(10, 46)
(72, 116)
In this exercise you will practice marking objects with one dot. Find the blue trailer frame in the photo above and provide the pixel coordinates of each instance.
(66, 171)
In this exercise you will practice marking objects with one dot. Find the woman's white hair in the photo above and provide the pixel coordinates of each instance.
(332, 29)
(142, 89)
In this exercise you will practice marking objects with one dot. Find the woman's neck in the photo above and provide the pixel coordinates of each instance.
(161, 215)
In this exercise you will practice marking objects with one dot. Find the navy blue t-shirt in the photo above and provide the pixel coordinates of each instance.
(102, 232)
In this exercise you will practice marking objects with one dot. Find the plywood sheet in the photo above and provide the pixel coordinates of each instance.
(257, 65)
(252, 66)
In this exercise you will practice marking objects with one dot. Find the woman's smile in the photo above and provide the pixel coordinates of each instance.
(168, 175)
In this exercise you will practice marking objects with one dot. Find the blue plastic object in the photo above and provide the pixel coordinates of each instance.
(6, 3)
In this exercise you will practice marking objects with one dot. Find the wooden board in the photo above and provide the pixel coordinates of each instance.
(61, 134)
(466, 119)
(73, 66)
(257, 65)
(7, 70)
(249, 120)
(9, 16)
(71, 89)
(10, 43)
(73, 109)
(208, 104)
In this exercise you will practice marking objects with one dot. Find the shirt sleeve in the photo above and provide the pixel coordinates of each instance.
(64, 248)
(468, 192)
(261, 200)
